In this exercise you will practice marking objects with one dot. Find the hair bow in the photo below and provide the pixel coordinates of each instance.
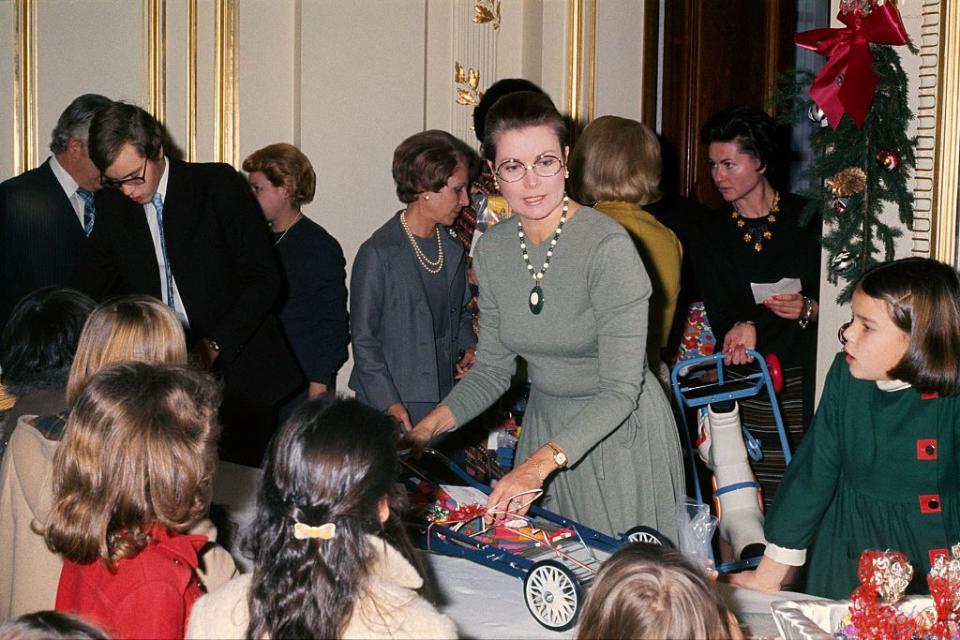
(324, 532)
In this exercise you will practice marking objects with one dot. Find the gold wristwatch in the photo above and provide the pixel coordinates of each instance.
(559, 457)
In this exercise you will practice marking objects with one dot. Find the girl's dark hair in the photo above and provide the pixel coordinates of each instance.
(40, 339)
(50, 625)
(754, 131)
(426, 160)
(923, 300)
(646, 591)
(121, 123)
(520, 110)
(332, 462)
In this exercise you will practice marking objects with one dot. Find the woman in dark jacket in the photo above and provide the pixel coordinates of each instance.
(411, 327)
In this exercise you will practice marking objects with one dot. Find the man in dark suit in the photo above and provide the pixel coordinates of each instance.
(192, 236)
(44, 211)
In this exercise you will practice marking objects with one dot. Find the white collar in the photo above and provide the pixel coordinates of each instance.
(164, 178)
(63, 176)
(892, 385)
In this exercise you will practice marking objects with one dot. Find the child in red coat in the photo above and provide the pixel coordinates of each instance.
(133, 471)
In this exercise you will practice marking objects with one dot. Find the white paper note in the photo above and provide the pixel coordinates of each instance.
(764, 290)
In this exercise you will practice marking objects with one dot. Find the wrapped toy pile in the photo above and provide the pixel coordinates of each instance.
(884, 576)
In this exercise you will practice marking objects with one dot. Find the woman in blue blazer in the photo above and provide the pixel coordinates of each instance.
(408, 291)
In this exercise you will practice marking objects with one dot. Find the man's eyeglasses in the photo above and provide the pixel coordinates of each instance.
(138, 179)
(545, 166)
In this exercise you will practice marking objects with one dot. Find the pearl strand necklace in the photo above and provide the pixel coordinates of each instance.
(536, 294)
(432, 266)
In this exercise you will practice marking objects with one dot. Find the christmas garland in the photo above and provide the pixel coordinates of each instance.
(863, 156)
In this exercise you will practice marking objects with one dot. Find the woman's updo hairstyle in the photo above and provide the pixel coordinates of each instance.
(330, 463)
(754, 131)
(285, 166)
(518, 111)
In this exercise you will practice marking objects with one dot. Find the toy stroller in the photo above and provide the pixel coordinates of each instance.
(704, 383)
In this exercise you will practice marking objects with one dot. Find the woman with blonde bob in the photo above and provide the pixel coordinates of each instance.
(134, 472)
(138, 328)
(313, 310)
(646, 591)
(616, 166)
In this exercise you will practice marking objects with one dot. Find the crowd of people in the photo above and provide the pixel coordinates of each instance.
(158, 315)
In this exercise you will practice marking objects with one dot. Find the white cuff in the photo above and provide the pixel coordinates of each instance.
(783, 555)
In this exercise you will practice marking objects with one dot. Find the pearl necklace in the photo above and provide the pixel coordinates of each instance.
(536, 294)
(432, 266)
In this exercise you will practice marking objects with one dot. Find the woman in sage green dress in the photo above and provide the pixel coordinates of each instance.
(564, 288)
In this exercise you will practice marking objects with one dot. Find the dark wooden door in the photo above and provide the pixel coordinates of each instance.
(716, 54)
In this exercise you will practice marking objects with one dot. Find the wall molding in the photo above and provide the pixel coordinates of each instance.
(155, 26)
(191, 125)
(25, 86)
(226, 80)
(947, 148)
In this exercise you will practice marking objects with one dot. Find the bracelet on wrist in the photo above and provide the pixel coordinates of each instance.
(806, 313)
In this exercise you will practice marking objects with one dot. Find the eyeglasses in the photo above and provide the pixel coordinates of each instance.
(138, 179)
(545, 166)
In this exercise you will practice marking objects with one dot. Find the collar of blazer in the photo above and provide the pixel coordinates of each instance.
(403, 252)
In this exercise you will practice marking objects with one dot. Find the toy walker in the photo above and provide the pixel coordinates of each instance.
(725, 446)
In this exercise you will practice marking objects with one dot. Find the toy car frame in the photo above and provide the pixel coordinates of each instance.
(557, 565)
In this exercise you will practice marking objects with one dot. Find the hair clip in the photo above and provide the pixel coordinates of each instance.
(324, 532)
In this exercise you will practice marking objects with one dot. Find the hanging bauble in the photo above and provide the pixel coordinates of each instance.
(817, 116)
(842, 263)
(839, 205)
(888, 159)
(847, 182)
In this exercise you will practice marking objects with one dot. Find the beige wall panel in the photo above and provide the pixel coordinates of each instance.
(205, 82)
(176, 79)
(553, 50)
(362, 93)
(267, 72)
(619, 58)
(6, 90)
(86, 46)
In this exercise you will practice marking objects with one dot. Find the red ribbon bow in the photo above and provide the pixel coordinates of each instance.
(846, 83)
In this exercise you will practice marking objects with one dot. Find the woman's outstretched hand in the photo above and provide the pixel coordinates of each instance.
(438, 421)
(513, 493)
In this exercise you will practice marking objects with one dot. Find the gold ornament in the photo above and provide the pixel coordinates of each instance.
(847, 182)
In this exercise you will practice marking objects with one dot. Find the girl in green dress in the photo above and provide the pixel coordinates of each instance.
(879, 468)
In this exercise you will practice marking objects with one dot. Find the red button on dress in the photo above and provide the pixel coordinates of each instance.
(927, 449)
(930, 503)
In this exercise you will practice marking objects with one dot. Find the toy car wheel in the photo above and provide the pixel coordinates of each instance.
(553, 595)
(647, 535)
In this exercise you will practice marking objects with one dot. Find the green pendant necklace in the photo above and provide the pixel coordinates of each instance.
(536, 294)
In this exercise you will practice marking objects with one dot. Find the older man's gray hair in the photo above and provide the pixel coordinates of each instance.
(75, 120)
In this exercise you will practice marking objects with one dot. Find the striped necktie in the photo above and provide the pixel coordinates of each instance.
(158, 205)
(89, 210)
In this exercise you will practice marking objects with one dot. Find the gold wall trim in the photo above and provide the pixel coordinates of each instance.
(225, 89)
(574, 58)
(25, 86)
(191, 80)
(155, 12)
(947, 161)
(592, 62)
